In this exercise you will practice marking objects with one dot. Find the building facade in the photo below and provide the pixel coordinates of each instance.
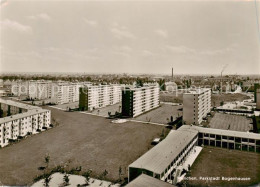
(164, 161)
(21, 120)
(136, 101)
(196, 105)
(92, 97)
(258, 99)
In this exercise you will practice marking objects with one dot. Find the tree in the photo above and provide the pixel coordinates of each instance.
(66, 180)
(120, 172)
(47, 180)
(139, 82)
(47, 160)
(104, 174)
(221, 103)
(87, 176)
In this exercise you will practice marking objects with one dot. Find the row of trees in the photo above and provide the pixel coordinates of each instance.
(47, 173)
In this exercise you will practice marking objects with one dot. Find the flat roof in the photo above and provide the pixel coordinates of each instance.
(141, 88)
(18, 104)
(22, 115)
(222, 132)
(230, 122)
(160, 157)
(196, 91)
(32, 110)
(145, 180)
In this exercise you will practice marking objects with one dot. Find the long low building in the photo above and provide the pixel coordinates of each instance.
(163, 160)
(245, 141)
(22, 120)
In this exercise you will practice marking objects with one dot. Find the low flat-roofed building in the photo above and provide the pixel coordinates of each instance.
(161, 160)
(145, 180)
(245, 141)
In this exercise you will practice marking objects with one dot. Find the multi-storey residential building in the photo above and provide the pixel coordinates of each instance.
(91, 97)
(20, 88)
(59, 92)
(22, 120)
(66, 92)
(40, 89)
(136, 101)
(196, 105)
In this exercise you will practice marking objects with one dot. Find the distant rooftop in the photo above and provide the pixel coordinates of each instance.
(197, 91)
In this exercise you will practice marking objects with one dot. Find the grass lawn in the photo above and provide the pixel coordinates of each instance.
(161, 114)
(83, 140)
(217, 162)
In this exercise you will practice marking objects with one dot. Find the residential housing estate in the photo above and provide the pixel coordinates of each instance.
(57, 92)
(20, 120)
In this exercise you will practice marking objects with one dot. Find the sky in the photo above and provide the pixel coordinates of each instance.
(193, 37)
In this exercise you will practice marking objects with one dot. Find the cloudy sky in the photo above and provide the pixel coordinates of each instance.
(193, 37)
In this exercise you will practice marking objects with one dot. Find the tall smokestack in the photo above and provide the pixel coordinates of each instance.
(172, 74)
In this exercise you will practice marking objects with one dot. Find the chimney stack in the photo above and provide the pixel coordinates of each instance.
(172, 74)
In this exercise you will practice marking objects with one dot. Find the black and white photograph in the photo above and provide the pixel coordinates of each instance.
(129, 93)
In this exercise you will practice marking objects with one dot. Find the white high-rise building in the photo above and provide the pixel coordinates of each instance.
(40, 89)
(20, 88)
(196, 105)
(136, 101)
(92, 97)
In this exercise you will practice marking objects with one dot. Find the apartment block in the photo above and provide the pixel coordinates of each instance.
(196, 105)
(20, 88)
(98, 96)
(136, 101)
(40, 89)
(23, 120)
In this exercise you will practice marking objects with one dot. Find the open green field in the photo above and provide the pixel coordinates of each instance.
(161, 114)
(84, 140)
(218, 162)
